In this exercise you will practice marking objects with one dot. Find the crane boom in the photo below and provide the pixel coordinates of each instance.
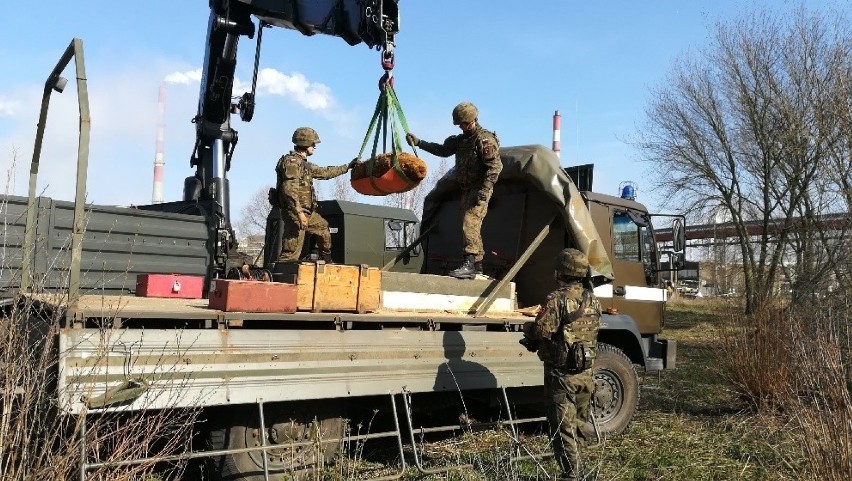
(373, 22)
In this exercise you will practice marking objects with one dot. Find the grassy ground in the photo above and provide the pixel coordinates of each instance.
(691, 425)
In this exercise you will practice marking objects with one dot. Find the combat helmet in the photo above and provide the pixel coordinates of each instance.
(465, 112)
(305, 137)
(572, 263)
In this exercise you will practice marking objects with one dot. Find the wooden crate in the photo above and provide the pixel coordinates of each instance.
(252, 296)
(333, 287)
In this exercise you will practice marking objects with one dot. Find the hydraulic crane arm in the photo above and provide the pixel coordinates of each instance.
(373, 22)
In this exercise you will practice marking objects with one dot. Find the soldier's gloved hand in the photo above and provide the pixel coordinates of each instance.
(412, 139)
(353, 163)
(529, 344)
(303, 220)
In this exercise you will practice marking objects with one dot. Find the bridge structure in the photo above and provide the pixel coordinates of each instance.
(715, 258)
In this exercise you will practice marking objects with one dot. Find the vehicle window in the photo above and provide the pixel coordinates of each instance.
(625, 238)
(398, 234)
(394, 234)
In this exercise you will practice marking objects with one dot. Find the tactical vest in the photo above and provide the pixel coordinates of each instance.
(470, 170)
(573, 348)
(294, 179)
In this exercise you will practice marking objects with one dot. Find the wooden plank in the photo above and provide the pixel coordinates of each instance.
(480, 311)
(369, 289)
(304, 281)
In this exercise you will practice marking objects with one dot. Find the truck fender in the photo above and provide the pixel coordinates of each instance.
(620, 331)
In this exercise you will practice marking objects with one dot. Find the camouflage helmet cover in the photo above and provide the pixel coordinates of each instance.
(572, 263)
(465, 112)
(305, 137)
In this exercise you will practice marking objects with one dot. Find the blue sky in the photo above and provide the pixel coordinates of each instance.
(518, 62)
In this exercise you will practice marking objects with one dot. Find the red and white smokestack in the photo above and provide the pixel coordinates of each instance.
(557, 128)
(159, 161)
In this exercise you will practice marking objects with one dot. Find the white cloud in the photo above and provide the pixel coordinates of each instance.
(311, 95)
(9, 108)
(123, 101)
(183, 78)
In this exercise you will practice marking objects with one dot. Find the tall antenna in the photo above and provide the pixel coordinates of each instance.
(557, 132)
(159, 161)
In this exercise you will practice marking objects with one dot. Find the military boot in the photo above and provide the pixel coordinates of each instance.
(467, 269)
(326, 257)
(477, 266)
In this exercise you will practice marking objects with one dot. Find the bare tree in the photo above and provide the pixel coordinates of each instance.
(341, 189)
(749, 125)
(252, 219)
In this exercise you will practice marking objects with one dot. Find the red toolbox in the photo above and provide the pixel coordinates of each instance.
(252, 296)
(169, 285)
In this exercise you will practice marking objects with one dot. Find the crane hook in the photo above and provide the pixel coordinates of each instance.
(385, 80)
(388, 59)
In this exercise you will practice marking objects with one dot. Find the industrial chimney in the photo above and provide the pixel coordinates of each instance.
(557, 127)
(157, 194)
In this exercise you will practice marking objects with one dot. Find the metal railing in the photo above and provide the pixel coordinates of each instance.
(86, 465)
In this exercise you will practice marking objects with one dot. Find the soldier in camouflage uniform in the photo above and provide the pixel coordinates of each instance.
(297, 198)
(477, 167)
(565, 336)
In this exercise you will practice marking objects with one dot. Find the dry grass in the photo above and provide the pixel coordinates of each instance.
(756, 355)
(817, 400)
(40, 440)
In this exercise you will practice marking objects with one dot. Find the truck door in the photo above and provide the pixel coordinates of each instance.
(636, 290)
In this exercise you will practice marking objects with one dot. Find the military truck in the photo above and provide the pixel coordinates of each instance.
(187, 354)
(281, 378)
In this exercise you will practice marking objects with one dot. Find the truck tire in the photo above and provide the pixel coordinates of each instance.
(616, 390)
(296, 422)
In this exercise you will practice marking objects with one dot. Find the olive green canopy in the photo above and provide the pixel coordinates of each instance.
(538, 167)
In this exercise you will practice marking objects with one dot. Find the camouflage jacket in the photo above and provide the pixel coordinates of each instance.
(561, 323)
(477, 154)
(295, 184)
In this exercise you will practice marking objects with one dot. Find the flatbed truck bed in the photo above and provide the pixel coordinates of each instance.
(186, 354)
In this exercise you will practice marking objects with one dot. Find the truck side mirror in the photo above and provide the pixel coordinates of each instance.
(395, 225)
(678, 235)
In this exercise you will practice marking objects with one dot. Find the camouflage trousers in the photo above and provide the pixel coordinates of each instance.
(474, 209)
(569, 399)
(294, 236)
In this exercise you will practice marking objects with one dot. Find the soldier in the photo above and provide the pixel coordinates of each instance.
(477, 167)
(565, 336)
(297, 198)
